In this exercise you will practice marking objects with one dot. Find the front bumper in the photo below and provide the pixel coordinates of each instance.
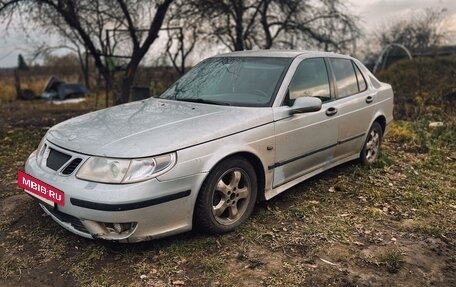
(145, 210)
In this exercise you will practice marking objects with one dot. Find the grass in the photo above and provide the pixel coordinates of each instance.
(212, 266)
(87, 260)
(101, 280)
(431, 230)
(403, 133)
(8, 90)
(50, 248)
(289, 275)
(12, 267)
(392, 259)
(18, 143)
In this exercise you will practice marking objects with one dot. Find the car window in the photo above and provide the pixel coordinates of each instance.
(346, 82)
(362, 86)
(237, 81)
(310, 80)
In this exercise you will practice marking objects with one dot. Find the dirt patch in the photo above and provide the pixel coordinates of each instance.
(39, 113)
(10, 207)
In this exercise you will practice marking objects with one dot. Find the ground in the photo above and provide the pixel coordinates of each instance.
(392, 224)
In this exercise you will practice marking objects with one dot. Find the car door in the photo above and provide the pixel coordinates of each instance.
(304, 142)
(353, 107)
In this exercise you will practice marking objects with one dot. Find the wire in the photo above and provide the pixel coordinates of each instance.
(5, 56)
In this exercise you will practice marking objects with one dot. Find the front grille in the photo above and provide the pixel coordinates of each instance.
(72, 166)
(76, 223)
(56, 159)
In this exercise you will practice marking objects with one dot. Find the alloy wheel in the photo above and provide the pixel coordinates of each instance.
(231, 196)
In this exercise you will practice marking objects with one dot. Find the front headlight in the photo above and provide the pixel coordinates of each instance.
(40, 151)
(112, 170)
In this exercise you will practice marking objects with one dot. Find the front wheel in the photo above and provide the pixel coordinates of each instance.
(371, 149)
(227, 197)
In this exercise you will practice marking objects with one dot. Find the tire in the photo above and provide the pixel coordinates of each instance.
(227, 196)
(371, 149)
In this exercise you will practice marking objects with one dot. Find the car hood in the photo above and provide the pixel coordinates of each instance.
(153, 126)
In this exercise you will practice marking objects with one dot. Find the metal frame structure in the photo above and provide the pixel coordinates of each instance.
(385, 53)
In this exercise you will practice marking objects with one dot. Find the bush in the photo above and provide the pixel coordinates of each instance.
(422, 138)
(423, 86)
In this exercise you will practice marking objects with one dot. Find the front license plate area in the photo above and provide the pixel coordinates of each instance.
(40, 190)
(41, 199)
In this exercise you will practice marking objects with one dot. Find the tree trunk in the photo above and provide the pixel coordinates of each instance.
(127, 82)
(128, 79)
(265, 24)
(84, 65)
(17, 84)
(86, 70)
(239, 12)
(139, 52)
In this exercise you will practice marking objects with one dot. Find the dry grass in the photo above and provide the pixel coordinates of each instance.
(8, 89)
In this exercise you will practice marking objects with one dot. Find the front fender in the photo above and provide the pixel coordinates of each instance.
(202, 158)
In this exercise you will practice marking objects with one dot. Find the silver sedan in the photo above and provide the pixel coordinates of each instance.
(237, 128)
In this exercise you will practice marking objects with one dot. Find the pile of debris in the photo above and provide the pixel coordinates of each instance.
(59, 90)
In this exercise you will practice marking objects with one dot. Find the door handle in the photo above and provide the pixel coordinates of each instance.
(369, 99)
(331, 111)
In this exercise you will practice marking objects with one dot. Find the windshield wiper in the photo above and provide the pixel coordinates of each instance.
(203, 101)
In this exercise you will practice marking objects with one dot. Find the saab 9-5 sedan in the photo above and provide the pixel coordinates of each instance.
(237, 128)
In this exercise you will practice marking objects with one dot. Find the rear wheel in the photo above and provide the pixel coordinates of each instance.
(227, 197)
(371, 149)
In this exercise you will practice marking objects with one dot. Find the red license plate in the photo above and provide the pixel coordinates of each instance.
(40, 189)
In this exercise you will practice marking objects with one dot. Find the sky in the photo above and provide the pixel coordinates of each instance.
(373, 15)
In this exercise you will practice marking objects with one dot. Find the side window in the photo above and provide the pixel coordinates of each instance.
(310, 80)
(347, 84)
(362, 86)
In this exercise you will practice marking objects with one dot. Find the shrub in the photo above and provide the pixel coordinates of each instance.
(423, 86)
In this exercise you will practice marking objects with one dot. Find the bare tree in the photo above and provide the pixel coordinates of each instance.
(45, 50)
(306, 24)
(422, 29)
(231, 21)
(247, 24)
(274, 18)
(185, 28)
(88, 19)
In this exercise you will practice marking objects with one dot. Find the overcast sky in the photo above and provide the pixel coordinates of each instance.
(373, 14)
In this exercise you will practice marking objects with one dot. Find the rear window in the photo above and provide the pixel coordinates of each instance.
(362, 86)
(349, 79)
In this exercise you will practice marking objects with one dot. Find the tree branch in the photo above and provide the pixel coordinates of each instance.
(130, 25)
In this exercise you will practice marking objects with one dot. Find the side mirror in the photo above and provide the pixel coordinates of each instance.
(306, 105)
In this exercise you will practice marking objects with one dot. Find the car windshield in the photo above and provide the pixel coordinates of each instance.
(236, 81)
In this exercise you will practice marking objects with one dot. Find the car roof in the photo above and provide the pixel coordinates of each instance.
(280, 54)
